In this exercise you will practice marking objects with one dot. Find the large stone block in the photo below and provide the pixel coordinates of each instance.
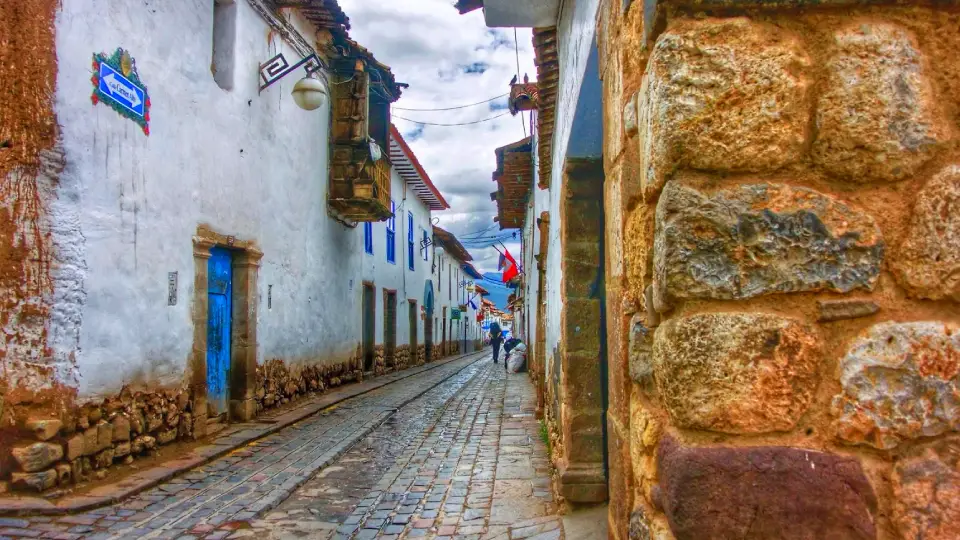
(641, 350)
(35, 481)
(723, 94)
(928, 262)
(43, 428)
(900, 382)
(762, 493)
(926, 489)
(877, 118)
(37, 456)
(760, 239)
(736, 372)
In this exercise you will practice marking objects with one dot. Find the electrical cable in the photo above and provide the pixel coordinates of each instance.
(457, 124)
(454, 108)
(480, 231)
(516, 48)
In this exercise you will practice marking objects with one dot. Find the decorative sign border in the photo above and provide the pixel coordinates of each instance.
(122, 62)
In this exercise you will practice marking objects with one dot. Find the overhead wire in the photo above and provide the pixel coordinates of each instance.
(452, 108)
(456, 124)
(516, 48)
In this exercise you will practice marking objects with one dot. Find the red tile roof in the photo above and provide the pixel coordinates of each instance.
(409, 168)
(514, 177)
(451, 244)
(548, 77)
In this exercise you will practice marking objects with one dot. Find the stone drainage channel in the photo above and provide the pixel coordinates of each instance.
(416, 458)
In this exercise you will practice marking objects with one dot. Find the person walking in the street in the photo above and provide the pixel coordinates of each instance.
(496, 338)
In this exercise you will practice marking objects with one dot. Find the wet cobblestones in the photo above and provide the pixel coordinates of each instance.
(451, 453)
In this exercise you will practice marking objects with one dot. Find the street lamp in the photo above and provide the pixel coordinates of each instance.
(309, 93)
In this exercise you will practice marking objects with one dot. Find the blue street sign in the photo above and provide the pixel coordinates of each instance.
(120, 89)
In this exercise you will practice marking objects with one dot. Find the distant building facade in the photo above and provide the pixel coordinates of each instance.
(183, 244)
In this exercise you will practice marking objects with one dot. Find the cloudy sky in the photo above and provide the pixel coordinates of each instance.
(450, 60)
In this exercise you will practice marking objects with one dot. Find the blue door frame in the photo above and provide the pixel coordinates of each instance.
(219, 293)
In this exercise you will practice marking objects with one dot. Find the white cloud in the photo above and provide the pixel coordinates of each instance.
(449, 60)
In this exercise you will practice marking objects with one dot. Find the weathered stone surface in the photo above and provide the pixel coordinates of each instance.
(760, 239)
(143, 442)
(630, 115)
(43, 429)
(736, 372)
(928, 261)
(762, 493)
(34, 481)
(121, 428)
(76, 469)
(37, 456)
(154, 421)
(90, 445)
(641, 351)
(121, 449)
(64, 474)
(74, 446)
(723, 94)
(639, 526)
(104, 435)
(900, 382)
(838, 310)
(103, 459)
(926, 489)
(166, 436)
(877, 117)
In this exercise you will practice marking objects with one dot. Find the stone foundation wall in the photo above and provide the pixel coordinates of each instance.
(60, 449)
(783, 324)
(43, 449)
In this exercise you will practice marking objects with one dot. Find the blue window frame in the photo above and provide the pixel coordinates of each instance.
(392, 234)
(368, 237)
(410, 250)
(425, 256)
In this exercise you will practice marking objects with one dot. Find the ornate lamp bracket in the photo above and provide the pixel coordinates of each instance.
(277, 68)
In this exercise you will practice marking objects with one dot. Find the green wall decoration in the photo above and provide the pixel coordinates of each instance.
(117, 83)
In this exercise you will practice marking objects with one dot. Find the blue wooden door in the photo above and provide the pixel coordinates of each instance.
(219, 287)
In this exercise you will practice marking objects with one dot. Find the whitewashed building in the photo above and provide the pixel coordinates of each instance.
(182, 232)
(551, 186)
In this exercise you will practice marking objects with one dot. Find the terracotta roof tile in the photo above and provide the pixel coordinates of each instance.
(451, 244)
(514, 177)
(408, 167)
(548, 77)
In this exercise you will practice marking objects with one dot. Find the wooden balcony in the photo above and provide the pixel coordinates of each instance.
(359, 187)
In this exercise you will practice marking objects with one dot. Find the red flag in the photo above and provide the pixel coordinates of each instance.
(511, 271)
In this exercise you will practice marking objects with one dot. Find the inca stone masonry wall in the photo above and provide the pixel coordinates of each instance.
(783, 182)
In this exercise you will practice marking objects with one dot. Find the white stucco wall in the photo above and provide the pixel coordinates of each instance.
(575, 30)
(409, 285)
(247, 164)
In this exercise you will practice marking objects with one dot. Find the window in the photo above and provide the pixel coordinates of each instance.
(392, 234)
(410, 239)
(368, 237)
(425, 240)
(224, 42)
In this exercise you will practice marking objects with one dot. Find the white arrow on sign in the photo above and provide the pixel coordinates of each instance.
(121, 89)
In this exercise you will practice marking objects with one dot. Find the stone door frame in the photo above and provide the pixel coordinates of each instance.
(243, 333)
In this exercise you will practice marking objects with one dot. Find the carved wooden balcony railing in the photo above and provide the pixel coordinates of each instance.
(360, 189)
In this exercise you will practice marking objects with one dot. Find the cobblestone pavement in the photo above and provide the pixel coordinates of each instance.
(461, 460)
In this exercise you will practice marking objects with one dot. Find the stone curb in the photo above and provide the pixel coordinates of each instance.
(244, 434)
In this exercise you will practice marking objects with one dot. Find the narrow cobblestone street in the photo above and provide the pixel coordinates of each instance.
(453, 452)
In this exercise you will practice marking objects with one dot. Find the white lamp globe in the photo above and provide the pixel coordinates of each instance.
(309, 93)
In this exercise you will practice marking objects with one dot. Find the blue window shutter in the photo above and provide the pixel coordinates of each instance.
(410, 250)
(368, 237)
(425, 257)
(391, 234)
